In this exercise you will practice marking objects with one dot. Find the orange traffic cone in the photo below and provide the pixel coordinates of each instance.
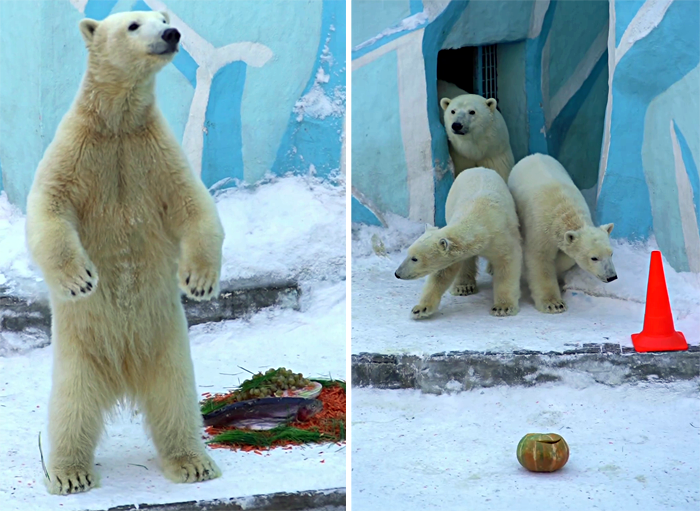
(658, 333)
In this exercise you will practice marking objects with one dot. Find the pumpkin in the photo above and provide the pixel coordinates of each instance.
(542, 452)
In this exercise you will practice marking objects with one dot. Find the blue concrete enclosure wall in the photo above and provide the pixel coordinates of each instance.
(651, 146)
(257, 89)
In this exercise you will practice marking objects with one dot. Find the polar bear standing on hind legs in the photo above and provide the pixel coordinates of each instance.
(557, 230)
(117, 222)
(481, 221)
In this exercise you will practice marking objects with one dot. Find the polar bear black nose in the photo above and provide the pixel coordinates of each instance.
(614, 277)
(456, 126)
(396, 274)
(171, 36)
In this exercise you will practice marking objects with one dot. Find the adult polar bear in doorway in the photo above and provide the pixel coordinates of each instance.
(117, 222)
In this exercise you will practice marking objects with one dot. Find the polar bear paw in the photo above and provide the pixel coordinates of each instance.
(553, 306)
(464, 290)
(504, 309)
(191, 468)
(70, 480)
(77, 279)
(422, 311)
(199, 283)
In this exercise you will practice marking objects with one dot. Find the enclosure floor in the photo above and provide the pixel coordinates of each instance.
(311, 342)
(631, 448)
(381, 310)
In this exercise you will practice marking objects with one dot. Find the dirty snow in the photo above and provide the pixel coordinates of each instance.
(405, 25)
(598, 313)
(310, 342)
(631, 448)
(287, 228)
(317, 104)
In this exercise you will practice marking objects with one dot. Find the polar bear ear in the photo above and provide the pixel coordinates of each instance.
(492, 104)
(444, 103)
(444, 244)
(607, 228)
(429, 227)
(570, 237)
(87, 29)
(166, 16)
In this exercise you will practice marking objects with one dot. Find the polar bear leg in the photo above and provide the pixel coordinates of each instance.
(437, 284)
(542, 280)
(76, 406)
(169, 402)
(506, 284)
(465, 283)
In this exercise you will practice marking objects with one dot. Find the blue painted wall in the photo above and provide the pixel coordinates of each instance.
(283, 113)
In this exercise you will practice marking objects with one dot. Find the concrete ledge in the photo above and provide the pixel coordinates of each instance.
(237, 299)
(319, 500)
(610, 364)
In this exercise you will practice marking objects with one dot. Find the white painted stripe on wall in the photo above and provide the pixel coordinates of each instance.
(345, 148)
(605, 150)
(647, 19)
(415, 128)
(554, 107)
(689, 222)
(537, 18)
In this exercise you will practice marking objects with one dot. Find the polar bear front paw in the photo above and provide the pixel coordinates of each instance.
(77, 279)
(70, 480)
(191, 468)
(554, 306)
(504, 309)
(199, 283)
(422, 311)
(464, 290)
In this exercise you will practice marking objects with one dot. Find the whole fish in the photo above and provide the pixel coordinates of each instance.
(264, 413)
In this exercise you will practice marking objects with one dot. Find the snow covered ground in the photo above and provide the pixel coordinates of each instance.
(598, 313)
(290, 228)
(631, 448)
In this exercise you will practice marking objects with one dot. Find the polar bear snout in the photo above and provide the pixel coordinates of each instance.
(171, 36)
(459, 129)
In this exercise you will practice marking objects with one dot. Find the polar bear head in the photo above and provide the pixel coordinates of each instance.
(130, 44)
(435, 250)
(468, 114)
(590, 248)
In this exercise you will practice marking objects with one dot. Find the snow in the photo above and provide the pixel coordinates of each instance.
(631, 448)
(598, 313)
(406, 25)
(287, 228)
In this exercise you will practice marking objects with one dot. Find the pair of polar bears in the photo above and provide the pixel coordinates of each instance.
(484, 217)
(117, 222)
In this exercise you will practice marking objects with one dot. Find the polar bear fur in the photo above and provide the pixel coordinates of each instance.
(557, 230)
(448, 90)
(481, 221)
(477, 134)
(117, 221)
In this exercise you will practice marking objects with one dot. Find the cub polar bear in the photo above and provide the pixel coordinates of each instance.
(116, 220)
(477, 133)
(557, 229)
(481, 221)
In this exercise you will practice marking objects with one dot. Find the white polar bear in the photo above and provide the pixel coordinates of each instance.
(477, 134)
(557, 229)
(117, 221)
(481, 221)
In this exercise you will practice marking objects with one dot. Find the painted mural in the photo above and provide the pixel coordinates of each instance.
(257, 89)
(610, 88)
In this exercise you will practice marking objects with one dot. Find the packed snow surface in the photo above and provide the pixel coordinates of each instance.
(597, 312)
(631, 448)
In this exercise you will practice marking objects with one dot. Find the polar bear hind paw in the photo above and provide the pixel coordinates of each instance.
(552, 306)
(421, 311)
(191, 468)
(465, 290)
(504, 309)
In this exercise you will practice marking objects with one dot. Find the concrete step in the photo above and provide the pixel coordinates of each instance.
(318, 500)
(452, 371)
(237, 299)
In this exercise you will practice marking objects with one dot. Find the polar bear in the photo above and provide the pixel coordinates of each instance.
(117, 221)
(477, 134)
(481, 221)
(557, 230)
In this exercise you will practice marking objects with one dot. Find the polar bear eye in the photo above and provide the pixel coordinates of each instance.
(414, 259)
(471, 112)
(594, 258)
(452, 112)
(133, 26)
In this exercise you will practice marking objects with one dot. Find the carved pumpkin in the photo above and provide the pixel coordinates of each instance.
(542, 452)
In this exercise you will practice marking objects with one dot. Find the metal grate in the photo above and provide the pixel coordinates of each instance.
(486, 72)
